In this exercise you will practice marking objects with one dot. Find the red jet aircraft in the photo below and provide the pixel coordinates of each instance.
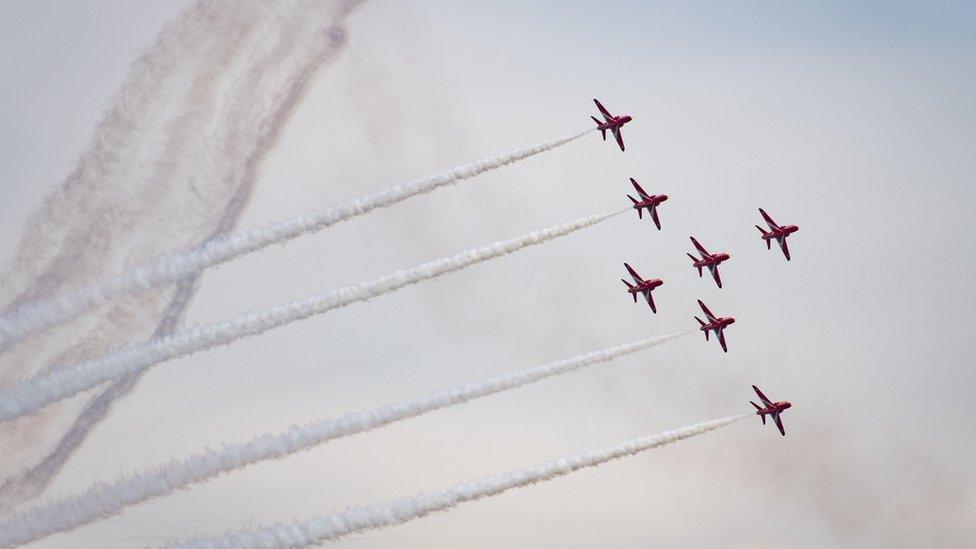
(712, 261)
(612, 123)
(771, 408)
(716, 324)
(777, 232)
(647, 201)
(642, 286)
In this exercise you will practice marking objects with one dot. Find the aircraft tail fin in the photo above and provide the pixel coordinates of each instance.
(695, 260)
(761, 416)
(769, 241)
(630, 287)
(702, 322)
(603, 131)
(640, 211)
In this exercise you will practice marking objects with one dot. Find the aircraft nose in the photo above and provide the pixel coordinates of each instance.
(731, 320)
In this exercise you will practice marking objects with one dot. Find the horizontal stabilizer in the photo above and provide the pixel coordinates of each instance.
(603, 131)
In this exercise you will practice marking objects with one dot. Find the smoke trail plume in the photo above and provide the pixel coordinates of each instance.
(220, 83)
(379, 515)
(33, 394)
(175, 267)
(104, 500)
(104, 214)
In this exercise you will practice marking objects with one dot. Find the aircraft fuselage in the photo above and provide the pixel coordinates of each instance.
(715, 259)
(615, 122)
(645, 286)
(776, 407)
(651, 202)
(781, 232)
(719, 324)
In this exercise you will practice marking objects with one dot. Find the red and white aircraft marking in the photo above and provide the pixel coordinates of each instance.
(778, 232)
(773, 409)
(716, 324)
(641, 286)
(612, 123)
(650, 202)
(712, 261)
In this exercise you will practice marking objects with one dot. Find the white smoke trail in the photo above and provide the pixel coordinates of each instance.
(32, 394)
(104, 500)
(111, 210)
(379, 515)
(172, 268)
(218, 137)
(153, 80)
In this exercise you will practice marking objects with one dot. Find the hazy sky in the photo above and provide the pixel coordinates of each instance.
(854, 122)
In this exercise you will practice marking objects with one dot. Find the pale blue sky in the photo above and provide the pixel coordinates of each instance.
(854, 122)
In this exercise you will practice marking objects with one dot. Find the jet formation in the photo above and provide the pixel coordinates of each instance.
(713, 324)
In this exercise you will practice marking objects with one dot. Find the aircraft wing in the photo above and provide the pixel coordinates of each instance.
(765, 400)
(779, 423)
(701, 249)
(603, 110)
(715, 275)
(705, 310)
(784, 247)
(643, 194)
(769, 220)
(617, 134)
(721, 340)
(650, 300)
(657, 222)
(637, 278)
